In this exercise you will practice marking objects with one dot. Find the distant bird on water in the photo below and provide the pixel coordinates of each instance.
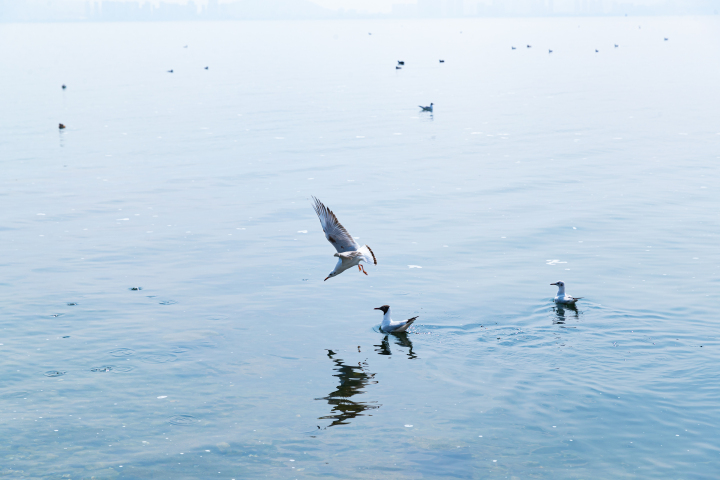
(616, 45)
(428, 108)
(388, 326)
(207, 68)
(398, 67)
(529, 46)
(666, 39)
(597, 51)
(549, 51)
(443, 61)
(64, 86)
(513, 48)
(563, 298)
(61, 126)
(401, 62)
(170, 71)
(349, 253)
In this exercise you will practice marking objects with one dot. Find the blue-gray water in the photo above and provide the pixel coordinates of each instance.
(235, 359)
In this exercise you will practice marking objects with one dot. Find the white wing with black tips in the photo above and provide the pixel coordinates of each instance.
(334, 231)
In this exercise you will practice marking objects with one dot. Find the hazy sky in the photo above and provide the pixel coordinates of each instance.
(371, 6)
(385, 6)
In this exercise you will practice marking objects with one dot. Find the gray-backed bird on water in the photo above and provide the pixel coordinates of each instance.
(349, 253)
(563, 298)
(428, 108)
(388, 326)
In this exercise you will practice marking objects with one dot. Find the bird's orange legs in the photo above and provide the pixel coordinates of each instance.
(360, 267)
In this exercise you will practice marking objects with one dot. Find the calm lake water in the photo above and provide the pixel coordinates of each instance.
(233, 359)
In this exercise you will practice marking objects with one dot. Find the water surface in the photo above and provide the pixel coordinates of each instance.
(164, 311)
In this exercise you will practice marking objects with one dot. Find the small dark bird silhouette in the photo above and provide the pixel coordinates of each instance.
(513, 48)
(64, 86)
(666, 39)
(549, 51)
(61, 126)
(206, 68)
(398, 67)
(442, 61)
(170, 71)
(529, 46)
(185, 46)
(401, 62)
(616, 45)
(596, 50)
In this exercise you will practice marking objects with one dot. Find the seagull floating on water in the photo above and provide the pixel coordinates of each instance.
(61, 126)
(549, 51)
(513, 48)
(561, 297)
(398, 67)
(207, 68)
(170, 71)
(349, 253)
(427, 109)
(443, 61)
(401, 62)
(64, 86)
(388, 326)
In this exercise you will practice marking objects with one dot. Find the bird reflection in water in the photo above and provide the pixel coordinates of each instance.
(560, 312)
(401, 339)
(353, 380)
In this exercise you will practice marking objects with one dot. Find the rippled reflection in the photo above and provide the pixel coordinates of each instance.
(401, 339)
(561, 311)
(353, 380)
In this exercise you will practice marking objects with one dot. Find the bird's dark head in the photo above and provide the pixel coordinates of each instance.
(559, 284)
(384, 308)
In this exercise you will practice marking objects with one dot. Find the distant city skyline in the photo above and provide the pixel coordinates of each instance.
(165, 10)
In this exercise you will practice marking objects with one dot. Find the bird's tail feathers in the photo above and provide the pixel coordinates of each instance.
(411, 320)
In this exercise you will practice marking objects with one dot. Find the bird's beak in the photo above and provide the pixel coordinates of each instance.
(550, 284)
(377, 308)
(326, 278)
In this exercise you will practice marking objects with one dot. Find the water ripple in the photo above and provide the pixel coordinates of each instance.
(158, 358)
(122, 352)
(183, 420)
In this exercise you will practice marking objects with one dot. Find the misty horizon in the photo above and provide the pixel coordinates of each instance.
(168, 10)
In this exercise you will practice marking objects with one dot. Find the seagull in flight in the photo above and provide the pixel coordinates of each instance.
(349, 253)
(388, 326)
(427, 109)
(561, 297)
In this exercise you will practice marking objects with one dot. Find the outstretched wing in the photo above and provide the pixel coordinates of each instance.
(334, 231)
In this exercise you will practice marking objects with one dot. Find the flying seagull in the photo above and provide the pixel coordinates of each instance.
(388, 326)
(562, 297)
(427, 109)
(349, 253)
